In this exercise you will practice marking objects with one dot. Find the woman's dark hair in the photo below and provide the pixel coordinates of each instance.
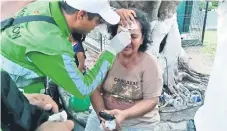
(142, 18)
(70, 10)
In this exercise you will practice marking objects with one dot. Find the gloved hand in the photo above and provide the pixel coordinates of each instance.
(119, 42)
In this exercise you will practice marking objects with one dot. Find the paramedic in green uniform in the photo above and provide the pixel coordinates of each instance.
(30, 51)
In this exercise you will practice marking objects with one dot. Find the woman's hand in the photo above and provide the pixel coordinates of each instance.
(120, 116)
(43, 101)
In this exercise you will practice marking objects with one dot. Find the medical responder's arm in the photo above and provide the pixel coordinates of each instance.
(62, 68)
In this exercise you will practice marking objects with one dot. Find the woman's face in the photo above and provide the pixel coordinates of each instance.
(136, 40)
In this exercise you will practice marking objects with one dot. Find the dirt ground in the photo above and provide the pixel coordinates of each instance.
(200, 61)
(202, 57)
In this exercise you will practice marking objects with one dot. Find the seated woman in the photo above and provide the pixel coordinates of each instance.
(132, 87)
(76, 39)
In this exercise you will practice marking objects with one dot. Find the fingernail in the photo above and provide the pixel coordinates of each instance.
(48, 106)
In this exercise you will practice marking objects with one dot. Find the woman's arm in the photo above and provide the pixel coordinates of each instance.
(141, 108)
(97, 100)
(81, 60)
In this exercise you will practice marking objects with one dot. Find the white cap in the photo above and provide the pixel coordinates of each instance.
(101, 7)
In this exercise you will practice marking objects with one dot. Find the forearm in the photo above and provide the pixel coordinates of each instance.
(63, 71)
(81, 68)
(141, 108)
(97, 101)
(81, 60)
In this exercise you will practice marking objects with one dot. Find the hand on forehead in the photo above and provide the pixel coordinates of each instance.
(132, 28)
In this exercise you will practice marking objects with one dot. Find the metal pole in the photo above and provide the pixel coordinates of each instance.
(204, 22)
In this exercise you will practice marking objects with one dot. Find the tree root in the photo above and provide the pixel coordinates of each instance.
(183, 82)
(184, 75)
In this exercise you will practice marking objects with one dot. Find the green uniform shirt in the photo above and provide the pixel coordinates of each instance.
(30, 51)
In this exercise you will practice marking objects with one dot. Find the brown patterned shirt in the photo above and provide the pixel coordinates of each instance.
(124, 87)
